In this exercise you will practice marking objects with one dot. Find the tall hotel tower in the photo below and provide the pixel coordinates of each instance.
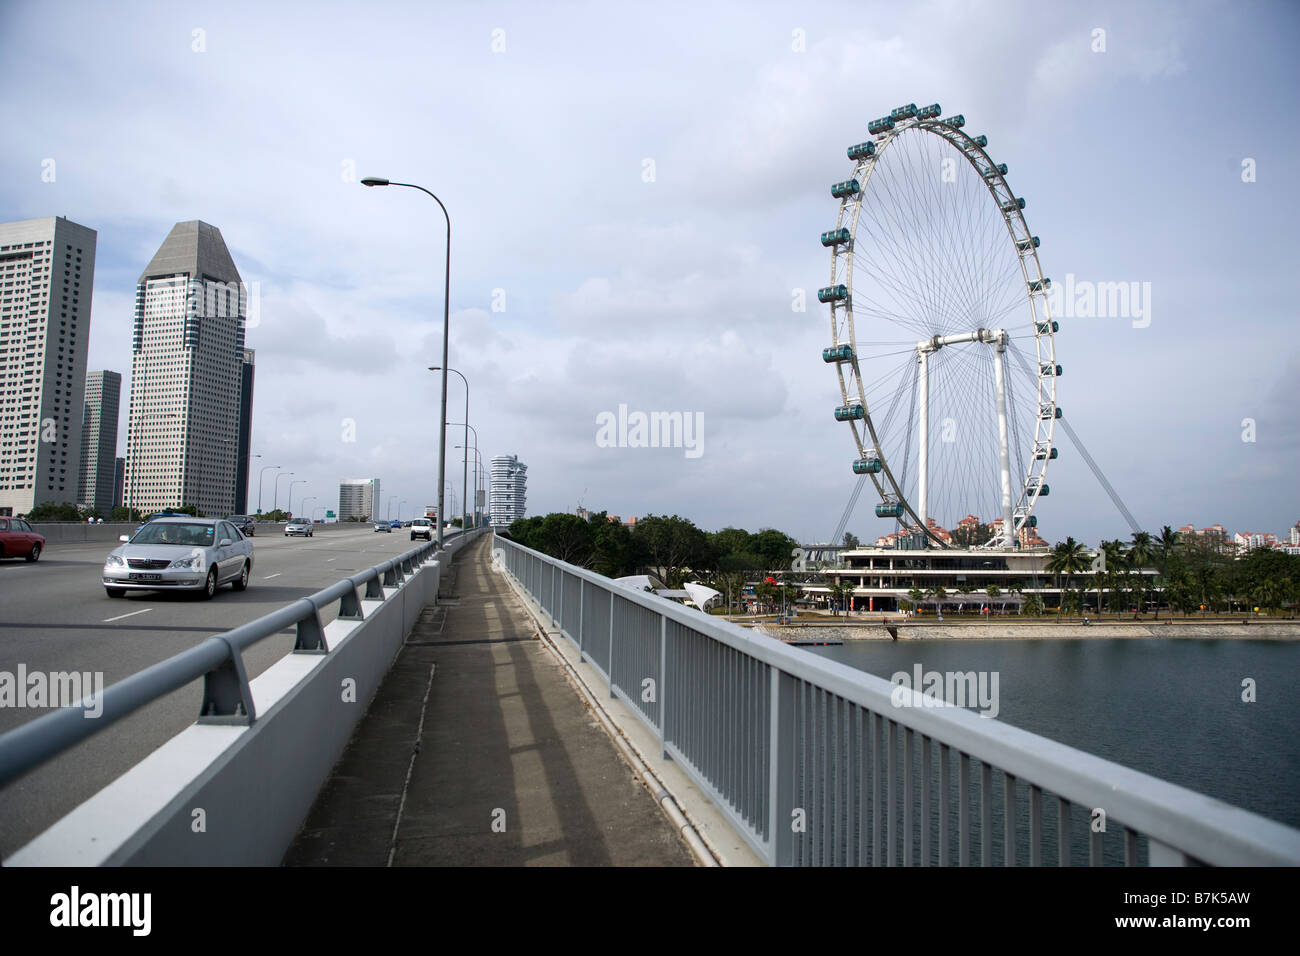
(509, 493)
(47, 270)
(182, 444)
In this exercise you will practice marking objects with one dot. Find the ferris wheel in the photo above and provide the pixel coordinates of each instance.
(941, 334)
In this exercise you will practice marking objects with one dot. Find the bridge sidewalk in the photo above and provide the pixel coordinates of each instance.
(477, 752)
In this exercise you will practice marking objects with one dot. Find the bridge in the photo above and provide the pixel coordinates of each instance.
(488, 704)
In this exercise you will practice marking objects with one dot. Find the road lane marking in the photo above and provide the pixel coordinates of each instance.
(276, 575)
(328, 560)
(108, 620)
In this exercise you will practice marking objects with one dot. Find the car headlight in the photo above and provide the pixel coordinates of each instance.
(193, 562)
(114, 561)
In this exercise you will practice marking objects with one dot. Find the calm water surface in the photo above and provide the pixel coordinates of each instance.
(1170, 708)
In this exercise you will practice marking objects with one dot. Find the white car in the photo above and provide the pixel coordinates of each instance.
(180, 554)
(298, 526)
(422, 528)
(383, 526)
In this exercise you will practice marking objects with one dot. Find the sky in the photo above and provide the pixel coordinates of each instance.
(636, 194)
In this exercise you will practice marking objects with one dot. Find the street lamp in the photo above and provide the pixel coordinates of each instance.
(304, 503)
(275, 500)
(464, 476)
(446, 328)
(300, 481)
(245, 483)
(135, 445)
(260, 475)
(399, 509)
(478, 468)
(478, 461)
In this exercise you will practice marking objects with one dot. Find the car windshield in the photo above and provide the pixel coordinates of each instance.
(182, 534)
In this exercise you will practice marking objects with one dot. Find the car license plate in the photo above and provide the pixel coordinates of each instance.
(146, 577)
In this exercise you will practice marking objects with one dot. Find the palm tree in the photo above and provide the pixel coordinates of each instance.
(1067, 558)
(1165, 543)
(1140, 554)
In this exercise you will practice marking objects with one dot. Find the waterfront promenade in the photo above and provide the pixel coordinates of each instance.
(477, 752)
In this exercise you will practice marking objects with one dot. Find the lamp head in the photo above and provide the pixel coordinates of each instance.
(374, 181)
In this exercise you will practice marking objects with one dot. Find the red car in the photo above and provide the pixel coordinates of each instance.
(18, 540)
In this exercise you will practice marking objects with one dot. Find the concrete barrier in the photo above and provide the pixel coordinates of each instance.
(73, 532)
(221, 795)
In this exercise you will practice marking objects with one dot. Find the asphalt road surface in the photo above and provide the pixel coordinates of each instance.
(55, 616)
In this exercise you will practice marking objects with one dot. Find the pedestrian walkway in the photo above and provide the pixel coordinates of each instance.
(476, 751)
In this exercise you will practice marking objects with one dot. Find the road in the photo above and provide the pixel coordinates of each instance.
(55, 616)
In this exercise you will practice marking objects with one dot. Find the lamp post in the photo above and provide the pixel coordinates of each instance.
(446, 328)
(478, 469)
(260, 475)
(399, 508)
(245, 483)
(300, 481)
(464, 475)
(304, 504)
(468, 428)
(135, 444)
(316, 509)
(275, 500)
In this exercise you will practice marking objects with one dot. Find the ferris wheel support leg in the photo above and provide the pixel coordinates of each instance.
(923, 456)
(1004, 453)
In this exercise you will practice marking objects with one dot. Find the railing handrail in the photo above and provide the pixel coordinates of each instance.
(26, 747)
(1193, 823)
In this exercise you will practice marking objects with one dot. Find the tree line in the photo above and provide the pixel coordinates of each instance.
(669, 545)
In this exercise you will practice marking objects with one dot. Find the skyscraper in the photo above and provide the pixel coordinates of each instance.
(47, 273)
(509, 490)
(244, 443)
(187, 349)
(99, 440)
(358, 499)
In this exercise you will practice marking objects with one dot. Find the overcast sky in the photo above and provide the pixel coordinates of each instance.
(636, 192)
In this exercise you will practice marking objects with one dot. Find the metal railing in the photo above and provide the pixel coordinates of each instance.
(227, 696)
(816, 763)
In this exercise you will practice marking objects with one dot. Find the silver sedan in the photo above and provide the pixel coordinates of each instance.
(180, 554)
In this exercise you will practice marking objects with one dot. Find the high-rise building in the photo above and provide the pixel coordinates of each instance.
(99, 440)
(245, 440)
(47, 273)
(509, 490)
(119, 481)
(182, 441)
(358, 499)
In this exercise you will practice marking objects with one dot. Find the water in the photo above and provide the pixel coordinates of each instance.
(1171, 708)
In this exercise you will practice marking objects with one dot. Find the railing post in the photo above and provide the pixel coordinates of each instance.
(612, 695)
(780, 782)
(582, 607)
(227, 698)
(662, 695)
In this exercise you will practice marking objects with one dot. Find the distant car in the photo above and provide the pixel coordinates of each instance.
(383, 526)
(180, 554)
(298, 526)
(246, 524)
(19, 540)
(395, 524)
(422, 528)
